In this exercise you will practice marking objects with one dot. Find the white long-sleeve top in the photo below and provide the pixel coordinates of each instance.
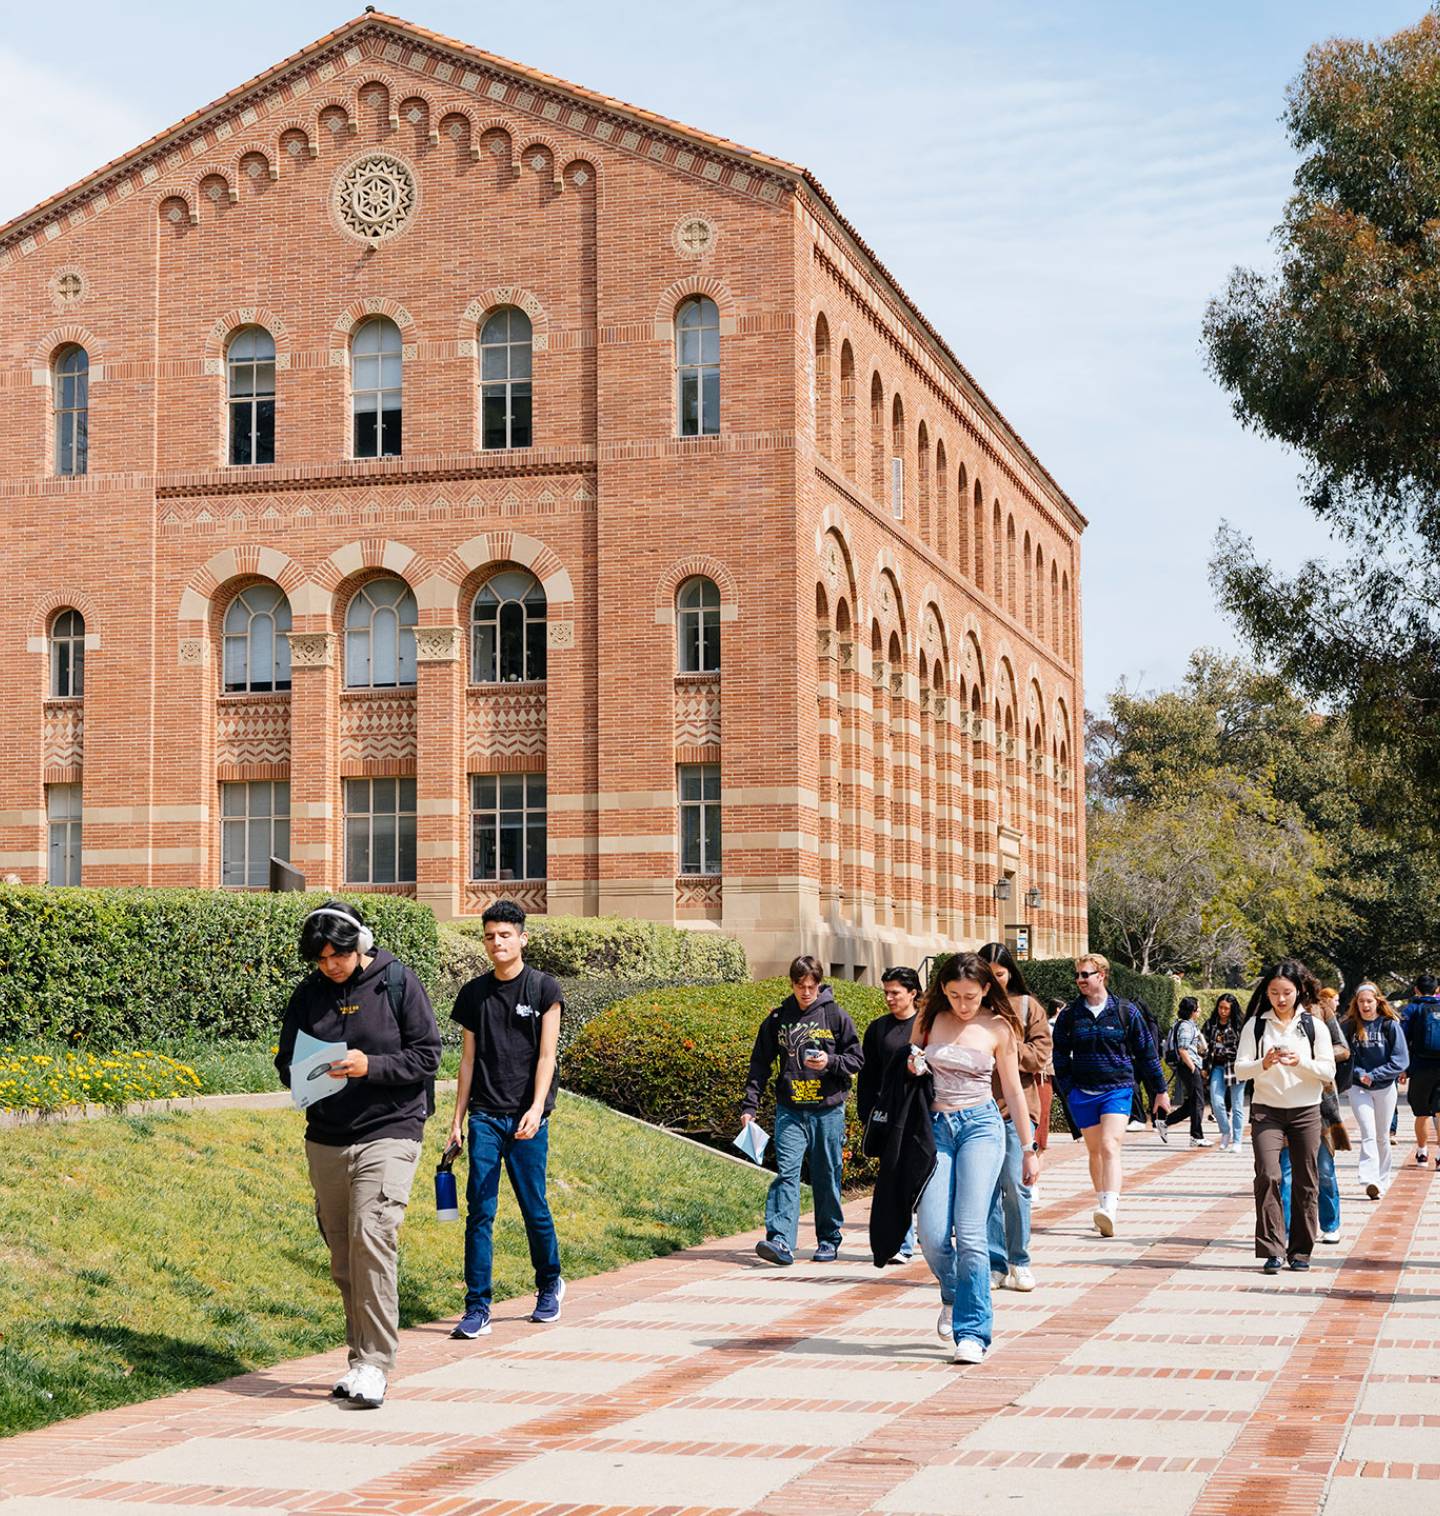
(1287, 1085)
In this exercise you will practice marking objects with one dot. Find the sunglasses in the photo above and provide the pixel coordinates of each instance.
(1086, 973)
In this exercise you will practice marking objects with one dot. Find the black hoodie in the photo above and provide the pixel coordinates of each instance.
(404, 1052)
(785, 1034)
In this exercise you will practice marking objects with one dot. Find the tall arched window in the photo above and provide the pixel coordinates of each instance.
(697, 366)
(848, 422)
(72, 410)
(821, 391)
(697, 621)
(67, 656)
(375, 384)
(507, 629)
(505, 399)
(877, 437)
(380, 636)
(250, 384)
(257, 651)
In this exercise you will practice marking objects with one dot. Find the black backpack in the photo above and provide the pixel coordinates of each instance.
(395, 994)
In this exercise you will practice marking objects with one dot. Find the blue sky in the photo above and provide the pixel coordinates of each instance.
(1060, 187)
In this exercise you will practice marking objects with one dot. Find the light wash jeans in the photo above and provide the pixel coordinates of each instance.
(953, 1216)
(1227, 1105)
(820, 1136)
(1329, 1189)
(1010, 1211)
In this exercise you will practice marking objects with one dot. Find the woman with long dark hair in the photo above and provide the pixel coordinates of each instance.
(1286, 1049)
(964, 1036)
(888, 1038)
(1227, 1094)
(1010, 1213)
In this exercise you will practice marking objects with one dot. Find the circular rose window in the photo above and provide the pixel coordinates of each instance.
(375, 197)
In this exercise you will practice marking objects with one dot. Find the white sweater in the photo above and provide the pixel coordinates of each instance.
(1287, 1085)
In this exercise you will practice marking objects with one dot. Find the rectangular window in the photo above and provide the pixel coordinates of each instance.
(897, 488)
(699, 786)
(62, 810)
(507, 826)
(254, 826)
(380, 831)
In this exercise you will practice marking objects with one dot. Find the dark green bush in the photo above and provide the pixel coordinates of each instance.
(140, 967)
(678, 1057)
(612, 947)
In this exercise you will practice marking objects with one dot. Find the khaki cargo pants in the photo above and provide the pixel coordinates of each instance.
(361, 1193)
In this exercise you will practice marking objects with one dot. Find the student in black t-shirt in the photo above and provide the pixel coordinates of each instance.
(511, 1019)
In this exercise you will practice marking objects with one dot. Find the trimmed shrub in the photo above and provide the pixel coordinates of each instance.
(1054, 979)
(142, 967)
(612, 947)
(678, 1057)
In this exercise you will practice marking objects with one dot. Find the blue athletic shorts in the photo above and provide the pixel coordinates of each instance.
(1087, 1107)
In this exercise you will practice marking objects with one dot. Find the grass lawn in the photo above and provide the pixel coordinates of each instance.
(142, 1255)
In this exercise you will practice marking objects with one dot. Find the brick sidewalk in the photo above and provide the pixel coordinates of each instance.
(1157, 1371)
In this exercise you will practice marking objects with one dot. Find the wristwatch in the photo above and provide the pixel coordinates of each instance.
(1034, 1146)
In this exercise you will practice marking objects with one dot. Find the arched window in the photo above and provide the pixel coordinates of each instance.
(877, 437)
(257, 651)
(505, 343)
(376, 388)
(697, 620)
(250, 384)
(67, 656)
(821, 394)
(380, 636)
(697, 366)
(507, 629)
(72, 410)
(848, 422)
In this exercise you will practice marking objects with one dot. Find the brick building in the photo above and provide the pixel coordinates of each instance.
(465, 484)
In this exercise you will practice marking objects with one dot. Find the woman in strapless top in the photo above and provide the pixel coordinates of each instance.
(967, 1033)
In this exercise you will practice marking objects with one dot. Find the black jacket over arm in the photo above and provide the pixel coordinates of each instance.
(900, 1135)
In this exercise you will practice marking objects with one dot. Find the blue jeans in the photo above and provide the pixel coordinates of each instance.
(954, 1213)
(818, 1135)
(1329, 1189)
(1227, 1105)
(1010, 1211)
(492, 1143)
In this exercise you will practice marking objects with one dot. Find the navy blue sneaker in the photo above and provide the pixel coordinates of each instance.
(772, 1250)
(1299, 1264)
(1272, 1266)
(473, 1324)
(825, 1252)
(547, 1302)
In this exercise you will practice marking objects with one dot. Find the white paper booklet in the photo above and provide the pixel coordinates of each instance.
(752, 1140)
(310, 1070)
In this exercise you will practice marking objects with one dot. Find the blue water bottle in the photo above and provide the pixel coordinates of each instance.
(447, 1201)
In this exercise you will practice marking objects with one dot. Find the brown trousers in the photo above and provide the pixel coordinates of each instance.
(1272, 1130)
(360, 1197)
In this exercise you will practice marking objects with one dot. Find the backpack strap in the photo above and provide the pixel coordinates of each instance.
(395, 994)
(1307, 1025)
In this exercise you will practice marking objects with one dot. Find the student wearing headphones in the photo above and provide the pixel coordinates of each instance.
(363, 1141)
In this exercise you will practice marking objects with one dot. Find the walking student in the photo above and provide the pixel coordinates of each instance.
(1102, 1047)
(1420, 1021)
(1331, 1127)
(1378, 1056)
(1227, 1094)
(888, 1038)
(1185, 1051)
(967, 1033)
(815, 1044)
(1010, 1212)
(363, 1141)
(510, 1019)
(1291, 1060)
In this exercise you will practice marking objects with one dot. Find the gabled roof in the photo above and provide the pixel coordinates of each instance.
(488, 77)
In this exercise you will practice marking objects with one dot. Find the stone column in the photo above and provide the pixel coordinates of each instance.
(316, 809)
(440, 801)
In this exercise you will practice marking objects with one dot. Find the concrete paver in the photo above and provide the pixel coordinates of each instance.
(1155, 1370)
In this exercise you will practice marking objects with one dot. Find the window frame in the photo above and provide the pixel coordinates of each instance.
(69, 829)
(67, 655)
(70, 411)
(257, 871)
(699, 369)
(359, 367)
(280, 645)
(255, 401)
(507, 389)
(706, 808)
(403, 846)
(489, 811)
(404, 635)
(534, 613)
(697, 627)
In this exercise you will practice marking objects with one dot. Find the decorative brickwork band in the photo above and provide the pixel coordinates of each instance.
(437, 644)
(505, 722)
(253, 730)
(311, 650)
(63, 743)
(377, 729)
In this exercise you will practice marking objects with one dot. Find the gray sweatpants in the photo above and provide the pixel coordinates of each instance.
(361, 1193)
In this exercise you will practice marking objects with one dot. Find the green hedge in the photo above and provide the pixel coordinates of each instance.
(1054, 978)
(140, 967)
(678, 1057)
(613, 947)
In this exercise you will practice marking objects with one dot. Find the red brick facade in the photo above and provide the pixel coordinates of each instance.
(896, 720)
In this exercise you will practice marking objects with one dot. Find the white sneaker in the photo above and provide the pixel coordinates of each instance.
(1020, 1278)
(997, 1279)
(1329, 1237)
(1200, 1142)
(345, 1386)
(1224, 1144)
(368, 1388)
(967, 1350)
(1135, 1126)
(1104, 1221)
(945, 1323)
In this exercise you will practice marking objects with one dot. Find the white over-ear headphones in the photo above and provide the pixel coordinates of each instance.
(367, 937)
